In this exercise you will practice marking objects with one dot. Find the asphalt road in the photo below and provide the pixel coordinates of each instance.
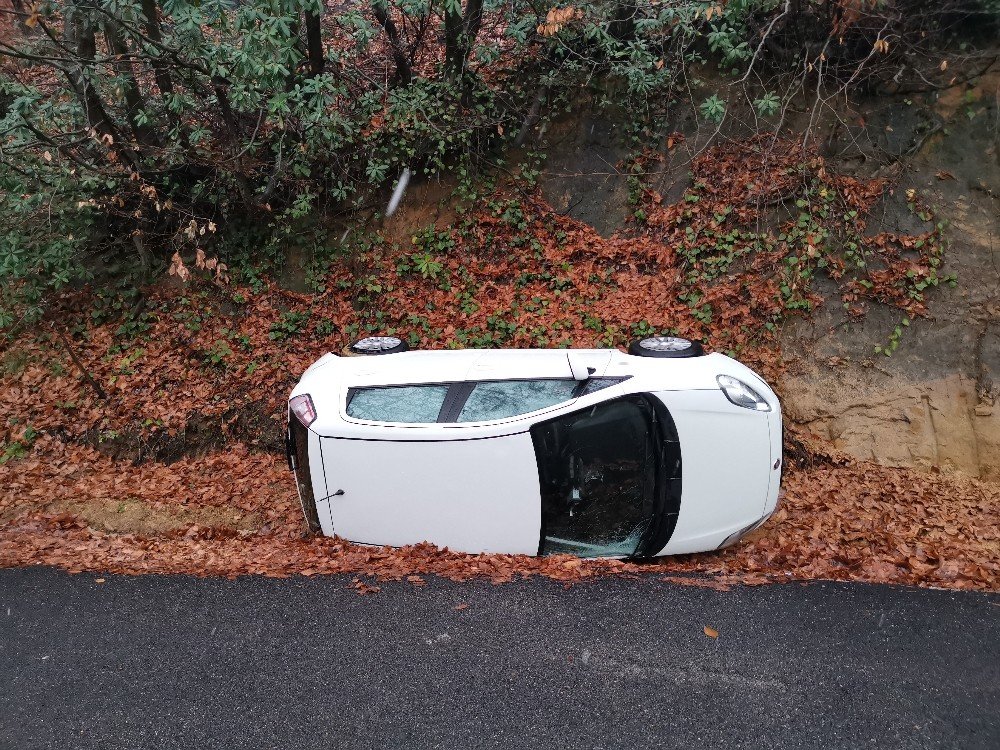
(176, 662)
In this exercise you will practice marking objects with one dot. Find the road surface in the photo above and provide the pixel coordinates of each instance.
(177, 662)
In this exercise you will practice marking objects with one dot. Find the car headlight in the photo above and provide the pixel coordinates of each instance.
(741, 394)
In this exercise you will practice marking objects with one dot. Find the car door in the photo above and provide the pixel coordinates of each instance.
(440, 462)
(601, 478)
(468, 495)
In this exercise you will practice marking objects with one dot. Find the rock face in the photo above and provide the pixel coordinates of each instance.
(928, 424)
(581, 177)
(936, 402)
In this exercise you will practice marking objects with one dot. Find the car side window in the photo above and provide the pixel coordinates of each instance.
(502, 399)
(398, 403)
(470, 401)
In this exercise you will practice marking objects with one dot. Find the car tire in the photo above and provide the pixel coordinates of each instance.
(673, 347)
(374, 345)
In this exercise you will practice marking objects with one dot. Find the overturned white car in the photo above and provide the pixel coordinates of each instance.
(592, 452)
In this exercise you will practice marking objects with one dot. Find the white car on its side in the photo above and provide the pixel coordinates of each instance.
(591, 452)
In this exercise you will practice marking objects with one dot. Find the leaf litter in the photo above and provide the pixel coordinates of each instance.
(208, 359)
(849, 521)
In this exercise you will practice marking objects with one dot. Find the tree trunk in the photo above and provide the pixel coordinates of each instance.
(228, 116)
(314, 44)
(134, 103)
(473, 22)
(454, 54)
(151, 25)
(81, 32)
(404, 73)
(460, 32)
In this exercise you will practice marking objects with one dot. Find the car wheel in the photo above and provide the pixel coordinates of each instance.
(378, 345)
(666, 346)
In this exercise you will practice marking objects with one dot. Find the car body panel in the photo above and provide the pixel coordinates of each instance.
(317, 474)
(726, 455)
(329, 383)
(461, 494)
(774, 481)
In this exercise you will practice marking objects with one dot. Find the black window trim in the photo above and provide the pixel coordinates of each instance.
(459, 392)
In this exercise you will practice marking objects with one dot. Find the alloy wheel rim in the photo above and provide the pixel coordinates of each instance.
(377, 343)
(665, 344)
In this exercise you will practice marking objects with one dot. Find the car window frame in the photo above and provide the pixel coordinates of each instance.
(459, 392)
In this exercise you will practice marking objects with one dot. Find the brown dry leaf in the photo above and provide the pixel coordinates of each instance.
(711, 632)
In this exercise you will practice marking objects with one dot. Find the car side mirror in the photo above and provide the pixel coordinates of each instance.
(585, 364)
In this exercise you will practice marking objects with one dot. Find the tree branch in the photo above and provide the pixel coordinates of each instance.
(76, 360)
(403, 71)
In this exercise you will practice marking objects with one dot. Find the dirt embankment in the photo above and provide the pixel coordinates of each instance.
(934, 404)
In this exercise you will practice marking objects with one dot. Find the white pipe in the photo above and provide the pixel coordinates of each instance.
(397, 193)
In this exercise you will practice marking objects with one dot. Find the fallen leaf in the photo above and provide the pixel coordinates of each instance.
(711, 632)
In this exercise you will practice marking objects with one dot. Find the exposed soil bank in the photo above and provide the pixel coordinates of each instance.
(935, 403)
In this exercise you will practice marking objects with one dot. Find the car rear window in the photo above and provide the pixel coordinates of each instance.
(508, 398)
(398, 403)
